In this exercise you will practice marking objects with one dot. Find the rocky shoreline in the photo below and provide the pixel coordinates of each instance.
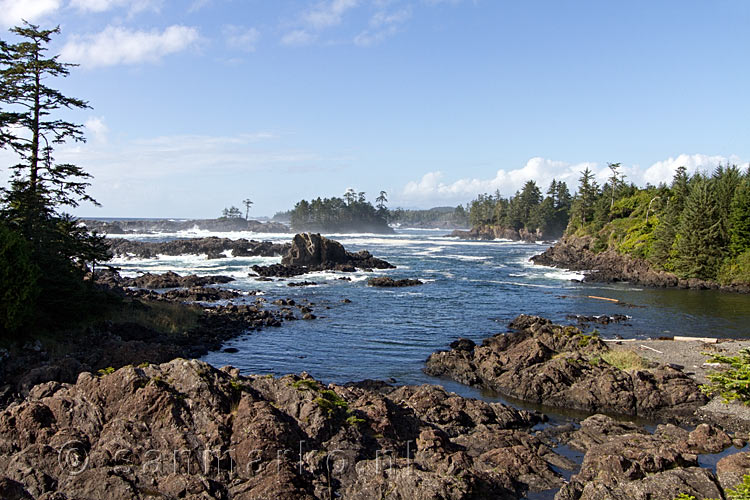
(121, 413)
(576, 254)
(175, 225)
(112, 344)
(213, 247)
(184, 429)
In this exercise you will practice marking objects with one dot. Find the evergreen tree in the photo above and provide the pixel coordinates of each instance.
(661, 252)
(588, 192)
(18, 281)
(31, 127)
(726, 179)
(698, 239)
(739, 219)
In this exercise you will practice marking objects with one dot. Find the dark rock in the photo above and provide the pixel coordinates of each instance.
(12, 490)
(313, 252)
(601, 320)
(213, 247)
(200, 294)
(463, 344)
(173, 226)
(173, 280)
(708, 439)
(302, 283)
(272, 438)
(732, 469)
(388, 282)
(231, 350)
(561, 366)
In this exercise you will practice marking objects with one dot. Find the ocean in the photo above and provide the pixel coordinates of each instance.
(471, 289)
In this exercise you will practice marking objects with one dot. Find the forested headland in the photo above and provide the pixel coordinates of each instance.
(696, 227)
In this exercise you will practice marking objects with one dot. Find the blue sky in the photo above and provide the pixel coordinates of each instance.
(198, 104)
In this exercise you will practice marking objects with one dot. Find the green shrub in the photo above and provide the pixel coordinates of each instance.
(733, 384)
(736, 270)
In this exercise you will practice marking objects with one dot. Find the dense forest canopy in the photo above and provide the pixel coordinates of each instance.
(527, 209)
(351, 213)
(696, 227)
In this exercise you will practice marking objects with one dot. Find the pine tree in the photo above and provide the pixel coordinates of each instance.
(698, 239)
(739, 219)
(666, 229)
(726, 180)
(31, 127)
(588, 192)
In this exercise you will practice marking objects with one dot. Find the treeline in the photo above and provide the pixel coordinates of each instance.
(45, 254)
(351, 213)
(438, 217)
(697, 227)
(527, 209)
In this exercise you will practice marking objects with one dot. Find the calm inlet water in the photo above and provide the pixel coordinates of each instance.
(472, 289)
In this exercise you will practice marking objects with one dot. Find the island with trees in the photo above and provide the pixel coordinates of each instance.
(351, 213)
(527, 215)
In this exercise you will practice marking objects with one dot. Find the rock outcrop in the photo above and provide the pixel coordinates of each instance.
(624, 461)
(213, 247)
(173, 226)
(312, 252)
(561, 366)
(171, 279)
(388, 282)
(187, 430)
(577, 254)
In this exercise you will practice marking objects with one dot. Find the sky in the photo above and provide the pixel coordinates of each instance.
(197, 105)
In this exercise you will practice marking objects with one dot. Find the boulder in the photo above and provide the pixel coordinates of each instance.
(561, 366)
(313, 252)
(388, 282)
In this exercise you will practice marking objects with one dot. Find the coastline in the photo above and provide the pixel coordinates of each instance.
(576, 254)
(490, 447)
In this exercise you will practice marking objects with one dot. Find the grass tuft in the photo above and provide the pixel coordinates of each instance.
(625, 360)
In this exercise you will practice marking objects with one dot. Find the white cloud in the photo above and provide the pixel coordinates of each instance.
(105, 5)
(298, 38)
(328, 13)
(325, 14)
(383, 24)
(12, 12)
(663, 171)
(97, 128)
(116, 45)
(432, 187)
(241, 38)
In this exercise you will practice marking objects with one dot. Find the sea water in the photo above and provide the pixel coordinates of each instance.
(471, 289)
